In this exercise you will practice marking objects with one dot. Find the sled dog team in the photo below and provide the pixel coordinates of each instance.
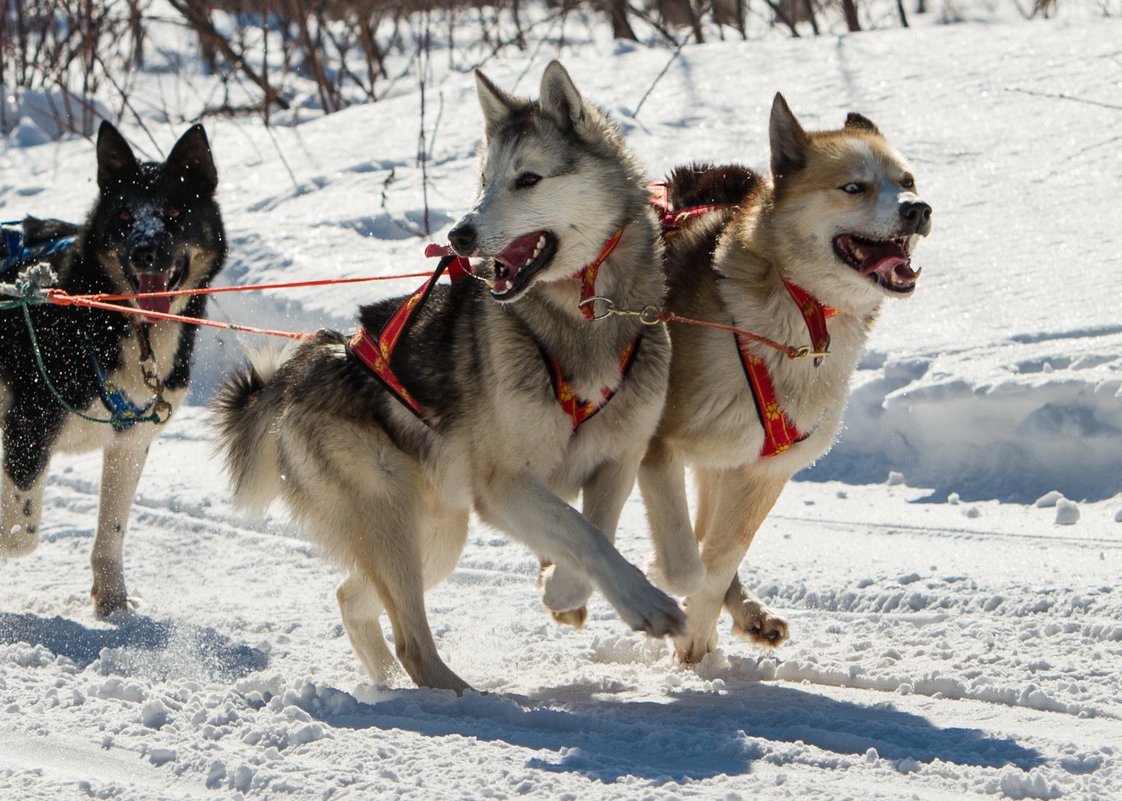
(510, 391)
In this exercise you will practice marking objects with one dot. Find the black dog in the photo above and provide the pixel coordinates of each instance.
(80, 379)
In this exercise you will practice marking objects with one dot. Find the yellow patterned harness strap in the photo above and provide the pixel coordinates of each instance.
(578, 409)
(779, 432)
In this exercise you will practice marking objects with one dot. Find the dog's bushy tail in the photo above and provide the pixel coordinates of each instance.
(245, 409)
(696, 185)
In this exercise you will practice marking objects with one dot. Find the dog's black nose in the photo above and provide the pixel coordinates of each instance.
(143, 259)
(917, 216)
(463, 239)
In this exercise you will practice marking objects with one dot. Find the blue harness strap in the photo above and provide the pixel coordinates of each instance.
(16, 253)
(123, 413)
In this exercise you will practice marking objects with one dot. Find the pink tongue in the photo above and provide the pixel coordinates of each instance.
(885, 259)
(519, 252)
(153, 282)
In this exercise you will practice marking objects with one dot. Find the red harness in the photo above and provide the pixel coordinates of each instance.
(673, 220)
(376, 352)
(588, 277)
(578, 409)
(779, 432)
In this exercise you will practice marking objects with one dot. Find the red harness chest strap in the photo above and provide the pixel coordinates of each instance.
(588, 274)
(814, 316)
(779, 432)
(375, 352)
(578, 409)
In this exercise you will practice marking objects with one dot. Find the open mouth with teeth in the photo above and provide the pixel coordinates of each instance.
(524, 258)
(885, 262)
(159, 282)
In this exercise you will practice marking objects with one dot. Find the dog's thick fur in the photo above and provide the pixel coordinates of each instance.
(388, 496)
(839, 217)
(153, 226)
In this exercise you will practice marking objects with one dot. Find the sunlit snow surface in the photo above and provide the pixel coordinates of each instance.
(950, 637)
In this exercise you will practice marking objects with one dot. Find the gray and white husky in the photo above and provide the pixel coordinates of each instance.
(482, 402)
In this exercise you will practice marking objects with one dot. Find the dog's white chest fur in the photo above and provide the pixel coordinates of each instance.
(82, 435)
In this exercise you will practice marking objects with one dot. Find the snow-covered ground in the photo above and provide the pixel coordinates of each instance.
(950, 570)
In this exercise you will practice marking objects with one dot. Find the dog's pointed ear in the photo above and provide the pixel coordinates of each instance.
(859, 122)
(789, 142)
(114, 157)
(192, 162)
(496, 104)
(560, 99)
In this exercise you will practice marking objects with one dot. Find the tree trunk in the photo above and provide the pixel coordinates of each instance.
(903, 15)
(621, 28)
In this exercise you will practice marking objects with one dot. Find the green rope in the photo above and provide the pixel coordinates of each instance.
(31, 300)
(28, 298)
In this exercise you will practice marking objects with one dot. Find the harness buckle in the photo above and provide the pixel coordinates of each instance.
(648, 315)
(148, 372)
(806, 350)
(609, 307)
(161, 411)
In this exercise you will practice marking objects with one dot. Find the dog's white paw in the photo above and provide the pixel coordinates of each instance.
(564, 590)
(644, 607)
(19, 541)
(692, 647)
(755, 621)
(112, 603)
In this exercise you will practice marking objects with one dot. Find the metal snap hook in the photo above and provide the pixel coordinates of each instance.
(610, 307)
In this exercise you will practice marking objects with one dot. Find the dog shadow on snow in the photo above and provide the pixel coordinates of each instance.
(695, 736)
(136, 644)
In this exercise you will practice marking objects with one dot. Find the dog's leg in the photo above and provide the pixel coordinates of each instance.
(750, 618)
(398, 551)
(121, 467)
(662, 480)
(741, 498)
(360, 607)
(21, 513)
(565, 592)
(29, 433)
(524, 508)
(364, 501)
(388, 561)
(401, 590)
(445, 532)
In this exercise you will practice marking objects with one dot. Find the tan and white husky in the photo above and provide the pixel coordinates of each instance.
(804, 258)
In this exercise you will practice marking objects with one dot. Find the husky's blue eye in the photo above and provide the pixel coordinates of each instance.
(526, 180)
(853, 188)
